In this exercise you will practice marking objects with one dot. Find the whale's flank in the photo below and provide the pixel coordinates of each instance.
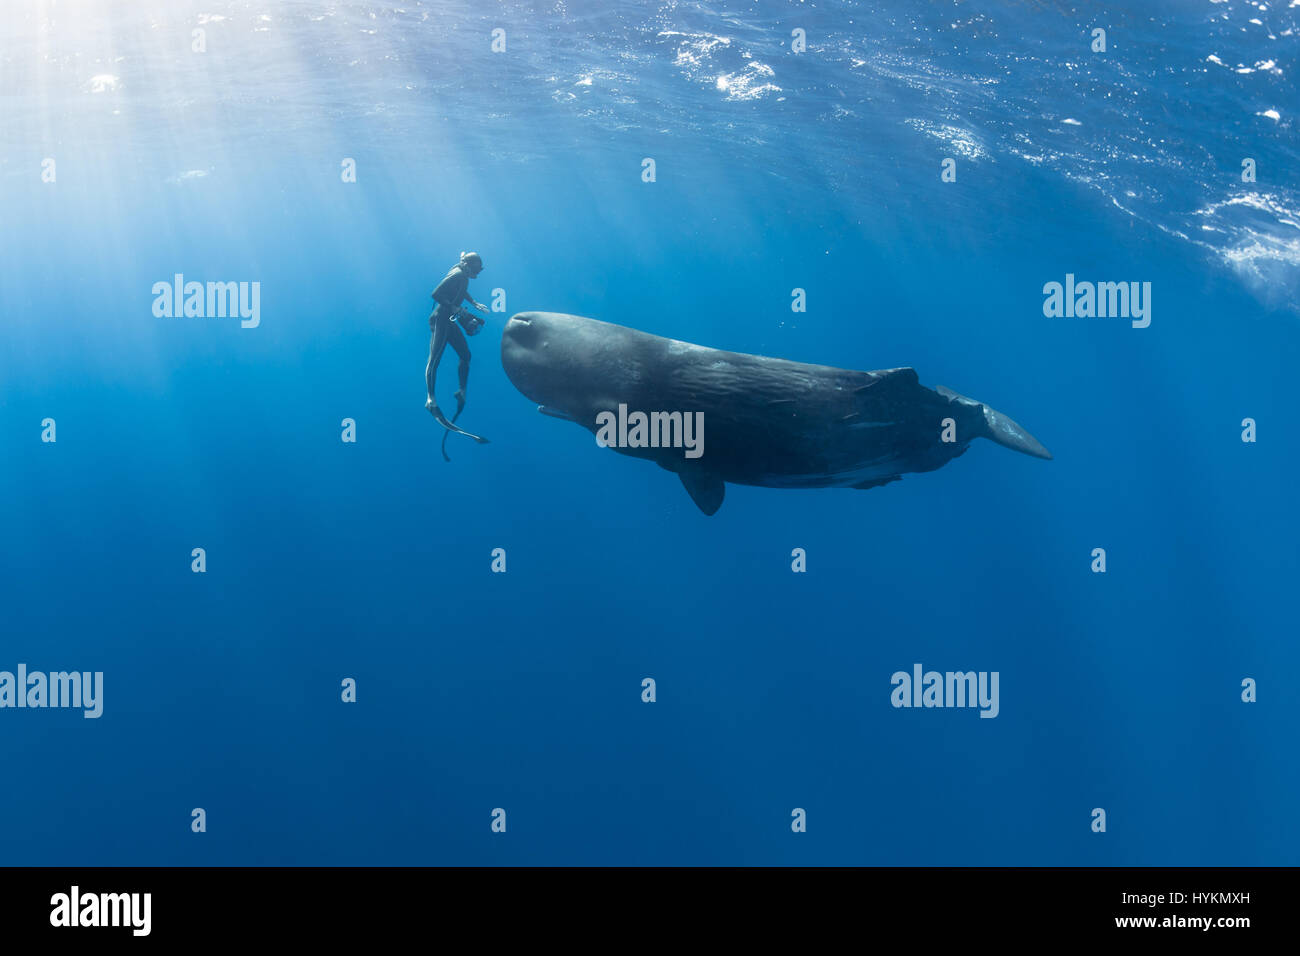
(763, 421)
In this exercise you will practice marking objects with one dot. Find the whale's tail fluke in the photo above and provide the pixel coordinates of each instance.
(1010, 435)
(1000, 428)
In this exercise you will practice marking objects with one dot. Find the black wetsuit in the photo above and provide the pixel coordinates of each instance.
(451, 292)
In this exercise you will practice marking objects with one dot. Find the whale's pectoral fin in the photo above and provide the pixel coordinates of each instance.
(705, 488)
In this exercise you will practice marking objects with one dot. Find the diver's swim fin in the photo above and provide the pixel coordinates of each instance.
(460, 407)
(451, 427)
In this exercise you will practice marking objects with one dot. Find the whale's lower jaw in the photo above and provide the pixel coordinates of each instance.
(868, 476)
(848, 480)
(865, 474)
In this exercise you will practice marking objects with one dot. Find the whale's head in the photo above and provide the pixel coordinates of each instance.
(572, 365)
(535, 353)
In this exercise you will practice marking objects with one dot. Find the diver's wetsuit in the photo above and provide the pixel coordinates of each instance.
(451, 292)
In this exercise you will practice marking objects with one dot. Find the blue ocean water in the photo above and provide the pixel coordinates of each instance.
(775, 170)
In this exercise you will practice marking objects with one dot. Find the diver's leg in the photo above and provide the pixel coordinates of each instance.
(457, 338)
(437, 343)
(430, 368)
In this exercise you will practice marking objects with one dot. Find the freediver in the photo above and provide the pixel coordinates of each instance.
(447, 315)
